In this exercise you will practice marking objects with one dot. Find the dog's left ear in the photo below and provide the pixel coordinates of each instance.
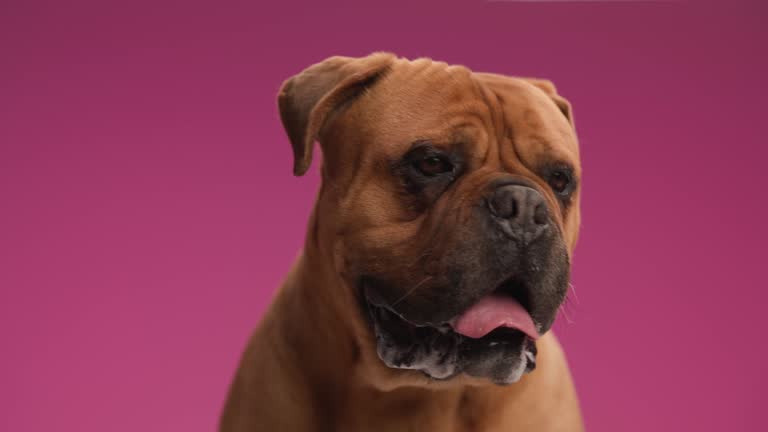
(549, 88)
(308, 99)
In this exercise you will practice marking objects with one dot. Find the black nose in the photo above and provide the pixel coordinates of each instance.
(521, 211)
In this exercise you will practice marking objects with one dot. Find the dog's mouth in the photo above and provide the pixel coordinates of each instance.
(494, 338)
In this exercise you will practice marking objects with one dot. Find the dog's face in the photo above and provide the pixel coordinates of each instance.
(449, 206)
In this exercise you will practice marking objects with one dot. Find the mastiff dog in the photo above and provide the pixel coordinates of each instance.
(437, 256)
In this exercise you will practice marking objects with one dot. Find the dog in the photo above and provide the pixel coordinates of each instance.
(436, 258)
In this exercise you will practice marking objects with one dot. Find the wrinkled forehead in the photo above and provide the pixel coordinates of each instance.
(428, 100)
(531, 117)
(424, 99)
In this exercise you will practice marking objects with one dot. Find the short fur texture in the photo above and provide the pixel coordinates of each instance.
(311, 364)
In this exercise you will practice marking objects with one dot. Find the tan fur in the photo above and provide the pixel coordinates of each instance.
(311, 364)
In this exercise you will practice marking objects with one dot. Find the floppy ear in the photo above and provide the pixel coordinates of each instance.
(308, 99)
(549, 88)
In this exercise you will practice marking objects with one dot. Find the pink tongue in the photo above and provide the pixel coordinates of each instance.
(494, 311)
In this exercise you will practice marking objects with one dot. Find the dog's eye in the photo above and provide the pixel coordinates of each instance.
(560, 182)
(431, 166)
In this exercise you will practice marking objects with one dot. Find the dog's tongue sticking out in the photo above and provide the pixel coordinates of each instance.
(494, 311)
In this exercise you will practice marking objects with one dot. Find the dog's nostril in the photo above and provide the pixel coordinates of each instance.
(503, 204)
(520, 211)
(540, 214)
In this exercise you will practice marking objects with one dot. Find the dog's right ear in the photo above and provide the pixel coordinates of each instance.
(308, 99)
(562, 103)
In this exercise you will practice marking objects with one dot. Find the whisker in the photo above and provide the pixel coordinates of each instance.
(573, 291)
(426, 253)
(562, 310)
(410, 291)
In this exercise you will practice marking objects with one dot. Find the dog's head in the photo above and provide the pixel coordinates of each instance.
(449, 207)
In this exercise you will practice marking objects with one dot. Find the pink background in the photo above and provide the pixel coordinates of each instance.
(148, 209)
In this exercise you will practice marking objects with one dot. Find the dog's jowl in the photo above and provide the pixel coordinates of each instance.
(436, 258)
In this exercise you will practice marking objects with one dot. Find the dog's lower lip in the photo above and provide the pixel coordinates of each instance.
(440, 352)
(446, 324)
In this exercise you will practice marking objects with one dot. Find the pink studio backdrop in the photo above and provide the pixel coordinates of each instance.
(148, 211)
